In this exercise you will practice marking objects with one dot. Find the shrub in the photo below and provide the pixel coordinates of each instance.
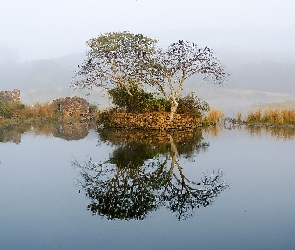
(192, 105)
(139, 101)
(7, 109)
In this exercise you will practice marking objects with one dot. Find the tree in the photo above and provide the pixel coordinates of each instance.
(114, 60)
(171, 68)
(124, 59)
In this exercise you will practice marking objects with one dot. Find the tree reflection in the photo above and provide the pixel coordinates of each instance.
(140, 177)
(122, 193)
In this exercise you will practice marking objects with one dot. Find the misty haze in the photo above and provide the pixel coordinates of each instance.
(258, 76)
(139, 166)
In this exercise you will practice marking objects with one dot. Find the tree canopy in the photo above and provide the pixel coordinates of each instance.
(114, 60)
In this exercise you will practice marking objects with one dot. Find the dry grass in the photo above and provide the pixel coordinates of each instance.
(272, 117)
(239, 117)
(48, 111)
(37, 111)
(212, 117)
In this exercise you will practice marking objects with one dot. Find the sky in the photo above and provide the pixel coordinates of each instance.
(37, 29)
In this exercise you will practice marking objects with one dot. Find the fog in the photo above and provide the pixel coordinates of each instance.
(41, 43)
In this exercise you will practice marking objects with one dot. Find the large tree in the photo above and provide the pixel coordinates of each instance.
(124, 59)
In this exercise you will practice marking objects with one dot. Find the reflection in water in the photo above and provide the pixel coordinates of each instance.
(71, 131)
(277, 132)
(67, 131)
(214, 130)
(144, 174)
(12, 133)
(187, 142)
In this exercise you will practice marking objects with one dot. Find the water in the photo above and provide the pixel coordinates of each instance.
(70, 187)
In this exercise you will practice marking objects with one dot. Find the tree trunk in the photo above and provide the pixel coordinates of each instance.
(174, 105)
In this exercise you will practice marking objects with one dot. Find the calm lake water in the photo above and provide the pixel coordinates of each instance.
(71, 187)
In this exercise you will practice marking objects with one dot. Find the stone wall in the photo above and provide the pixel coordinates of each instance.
(10, 96)
(75, 107)
(155, 120)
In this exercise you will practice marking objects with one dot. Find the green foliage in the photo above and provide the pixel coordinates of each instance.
(192, 105)
(139, 101)
(160, 105)
(7, 109)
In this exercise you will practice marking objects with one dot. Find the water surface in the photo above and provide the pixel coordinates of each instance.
(68, 187)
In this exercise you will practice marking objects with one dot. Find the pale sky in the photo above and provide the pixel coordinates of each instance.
(42, 29)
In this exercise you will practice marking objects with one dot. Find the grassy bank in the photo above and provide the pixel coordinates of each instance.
(14, 113)
(20, 111)
(270, 117)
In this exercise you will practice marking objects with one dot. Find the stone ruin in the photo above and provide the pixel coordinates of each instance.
(10, 96)
(75, 107)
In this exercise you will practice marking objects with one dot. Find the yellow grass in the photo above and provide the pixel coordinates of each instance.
(37, 110)
(212, 117)
(272, 116)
